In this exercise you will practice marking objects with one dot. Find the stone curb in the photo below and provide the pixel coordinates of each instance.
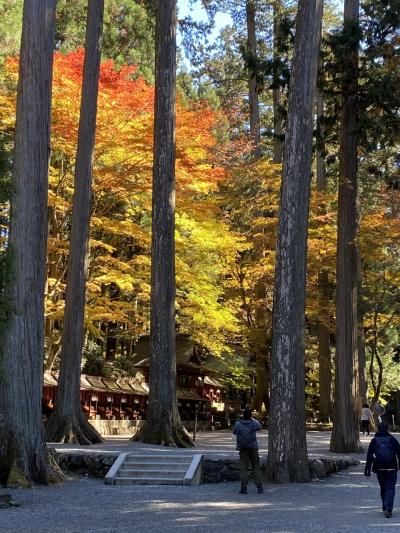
(213, 470)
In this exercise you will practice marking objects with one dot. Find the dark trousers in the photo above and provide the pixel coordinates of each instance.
(249, 455)
(387, 481)
(365, 426)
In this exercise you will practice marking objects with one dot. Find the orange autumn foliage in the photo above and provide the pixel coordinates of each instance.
(119, 273)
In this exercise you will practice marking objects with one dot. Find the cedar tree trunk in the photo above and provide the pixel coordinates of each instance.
(253, 93)
(68, 423)
(345, 434)
(23, 453)
(287, 449)
(163, 425)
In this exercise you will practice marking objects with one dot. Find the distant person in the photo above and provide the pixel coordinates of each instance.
(366, 416)
(384, 457)
(379, 411)
(246, 442)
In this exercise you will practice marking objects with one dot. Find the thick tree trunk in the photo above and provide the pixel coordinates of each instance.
(324, 351)
(23, 453)
(277, 93)
(345, 434)
(287, 449)
(67, 423)
(253, 93)
(163, 425)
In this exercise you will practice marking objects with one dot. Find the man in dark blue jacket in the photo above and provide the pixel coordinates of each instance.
(384, 457)
(245, 431)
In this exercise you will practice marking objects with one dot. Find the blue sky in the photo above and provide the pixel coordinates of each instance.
(195, 10)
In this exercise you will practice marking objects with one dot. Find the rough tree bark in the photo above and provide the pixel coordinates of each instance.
(253, 93)
(345, 434)
(324, 351)
(68, 423)
(23, 453)
(163, 425)
(287, 449)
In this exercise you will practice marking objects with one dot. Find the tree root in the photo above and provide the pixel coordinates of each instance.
(176, 437)
(282, 473)
(71, 428)
(23, 457)
(56, 476)
(17, 479)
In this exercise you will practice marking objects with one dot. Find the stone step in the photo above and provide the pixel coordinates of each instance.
(151, 473)
(147, 481)
(159, 458)
(155, 466)
(160, 469)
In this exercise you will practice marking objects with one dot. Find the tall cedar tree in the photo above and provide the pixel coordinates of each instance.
(163, 425)
(23, 454)
(68, 423)
(287, 449)
(345, 434)
(253, 94)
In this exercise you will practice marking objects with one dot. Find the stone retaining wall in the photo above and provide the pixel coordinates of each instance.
(214, 470)
(96, 465)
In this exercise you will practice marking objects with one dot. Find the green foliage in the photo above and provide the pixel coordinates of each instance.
(10, 27)
(127, 35)
(70, 24)
(379, 74)
(391, 373)
(93, 361)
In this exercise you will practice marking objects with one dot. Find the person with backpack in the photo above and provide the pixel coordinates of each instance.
(384, 457)
(246, 443)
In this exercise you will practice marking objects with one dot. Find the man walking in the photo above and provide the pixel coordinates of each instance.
(246, 442)
(384, 457)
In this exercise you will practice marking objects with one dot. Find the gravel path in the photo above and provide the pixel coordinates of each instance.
(217, 444)
(346, 502)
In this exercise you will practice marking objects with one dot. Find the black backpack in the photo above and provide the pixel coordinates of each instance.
(385, 455)
(245, 435)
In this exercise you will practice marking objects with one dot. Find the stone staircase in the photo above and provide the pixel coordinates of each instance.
(155, 469)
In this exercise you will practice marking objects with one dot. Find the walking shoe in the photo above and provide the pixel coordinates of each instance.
(388, 514)
(260, 489)
(243, 490)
